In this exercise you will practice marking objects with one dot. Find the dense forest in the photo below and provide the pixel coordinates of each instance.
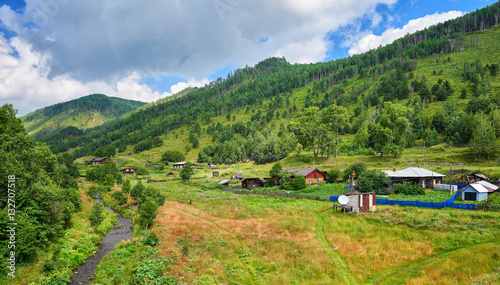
(39, 193)
(386, 100)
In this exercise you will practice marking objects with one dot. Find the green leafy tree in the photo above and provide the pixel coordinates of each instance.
(310, 131)
(154, 193)
(126, 187)
(483, 142)
(186, 172)
(337, 118)
(372, 180)
(299, 182)
(147, 212)
(96, 215)
(276, 172)
(173, 156)
(136, 192)
(358, 168)
(333, 175)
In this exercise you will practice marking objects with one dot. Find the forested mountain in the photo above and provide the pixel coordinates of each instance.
(437, 84)
(85, 112)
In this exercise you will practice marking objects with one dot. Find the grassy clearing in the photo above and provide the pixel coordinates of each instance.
(207, 234)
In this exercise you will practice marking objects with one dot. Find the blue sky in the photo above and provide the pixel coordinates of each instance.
(57, 50)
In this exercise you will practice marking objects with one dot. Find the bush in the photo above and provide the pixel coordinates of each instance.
(120, 197)
(408, 188)
(142, 171)
(358, 168)
(173, 156)
(333, 175)
(151, 239)
(299, 182)
(372, 180)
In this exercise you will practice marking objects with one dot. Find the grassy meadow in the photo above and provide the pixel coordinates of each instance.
(208, 236)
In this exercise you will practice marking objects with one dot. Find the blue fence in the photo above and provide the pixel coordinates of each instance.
(434, 205)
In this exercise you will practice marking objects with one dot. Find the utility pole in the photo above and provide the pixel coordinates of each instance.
(424, 154)
(451, 172)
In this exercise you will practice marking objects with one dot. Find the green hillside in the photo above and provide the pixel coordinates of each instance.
(435, 86)
(83, 113)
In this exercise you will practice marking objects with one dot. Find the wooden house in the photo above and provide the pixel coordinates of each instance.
(312, 175)
(172, 173)
(237, 176)
(251, 183)
(215, 174)
(417, 175)
(181, 165)
(129, 170)
(100, 160)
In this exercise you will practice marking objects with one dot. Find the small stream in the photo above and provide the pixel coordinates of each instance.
(121, 231)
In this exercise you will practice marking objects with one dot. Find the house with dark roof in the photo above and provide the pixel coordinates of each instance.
(129, 170)
(181, 165)
(312, 175)
(237, 176)
(97, 160)
(251, 183)
(416, 175)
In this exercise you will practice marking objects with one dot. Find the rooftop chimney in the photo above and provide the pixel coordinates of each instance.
(394, 169)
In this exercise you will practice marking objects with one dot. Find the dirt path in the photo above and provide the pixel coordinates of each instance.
(121, 231)
(337, 260)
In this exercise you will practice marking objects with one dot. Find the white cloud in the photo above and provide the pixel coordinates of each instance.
(102, 39)
(371, 41)
(25, 83)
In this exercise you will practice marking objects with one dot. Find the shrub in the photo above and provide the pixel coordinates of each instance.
(120, 197)
(358, 168)
(151, 239)
(299, 182)
(372, 180)
(333, 175)
(408, 188)
(173, 156)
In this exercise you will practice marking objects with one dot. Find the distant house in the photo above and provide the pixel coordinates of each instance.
(172, 173)
(416, 175)
(237, 176)
(100, 160)
(129, 170)
(212, 166)
(181, 165)
(312, 175)
(251, 183)
(224, 182)
(215, 174)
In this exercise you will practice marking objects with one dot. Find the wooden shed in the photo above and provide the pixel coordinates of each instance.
(251, 183)
(129, 170)
(474, 192)
(98, 160)
(361, 202)
(237, 176)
